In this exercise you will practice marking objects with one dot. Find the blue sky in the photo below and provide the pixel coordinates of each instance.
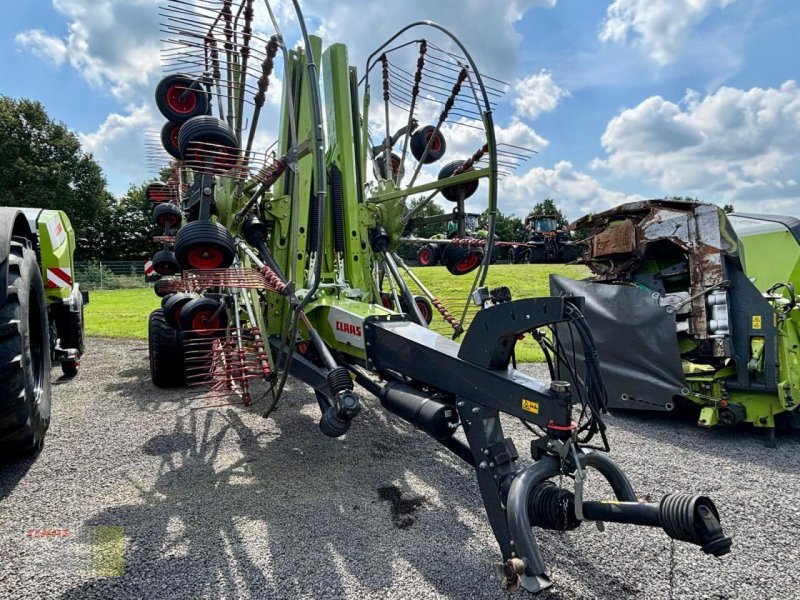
(622, 98)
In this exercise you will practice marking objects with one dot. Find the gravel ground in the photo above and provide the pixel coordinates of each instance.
(218, 502)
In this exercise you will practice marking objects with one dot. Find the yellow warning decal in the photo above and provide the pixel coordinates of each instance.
(756, 321)
(530, 406)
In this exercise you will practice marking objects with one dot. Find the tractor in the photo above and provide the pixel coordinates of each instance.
(544, 241)
(275, 263)
(706, 304)
(41, 321)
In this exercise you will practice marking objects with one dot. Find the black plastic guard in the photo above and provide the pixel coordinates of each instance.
(636, 342)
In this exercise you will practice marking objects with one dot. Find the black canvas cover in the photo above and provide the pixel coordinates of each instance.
(635, 339)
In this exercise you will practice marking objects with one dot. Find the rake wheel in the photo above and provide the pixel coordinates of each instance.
(179, 98)
(208, 141)
(419, 141)
(167, 216)
(203, 318)
(455, 192)
(169, 138)
(204, 245)
(164, 263)
(461, 260)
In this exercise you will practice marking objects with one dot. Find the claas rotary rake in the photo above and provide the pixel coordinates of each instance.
(282, 262)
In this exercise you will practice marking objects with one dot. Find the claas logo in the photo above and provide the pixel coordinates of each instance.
(348, 328)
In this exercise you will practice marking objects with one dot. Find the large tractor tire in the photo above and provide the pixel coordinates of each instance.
(166, 352)
(24, 356)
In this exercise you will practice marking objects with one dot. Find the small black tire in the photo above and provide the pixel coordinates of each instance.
(455, 192)
(397, 167)
(180, 97)
(206, 130)
(428, 256)
(167, 216)
(164, 287)
(196, 318)
(172, 308)
(204, 245)
(164, 263)
(419, 140)
(424, 307)
(461, 260)
(25, 388)
(165, 349)
(170, 134)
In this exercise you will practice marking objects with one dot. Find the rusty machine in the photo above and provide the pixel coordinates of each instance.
(687, 303)
(274, 261)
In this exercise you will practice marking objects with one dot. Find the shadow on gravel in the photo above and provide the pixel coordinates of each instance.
(236, 513)
(12, 471)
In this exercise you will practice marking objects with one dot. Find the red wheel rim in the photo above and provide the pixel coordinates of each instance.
(468, 263)
(205, 258)
(423, 310)
(203, 321)
(173, 136)
(436, 144)
(181, 106)
(425, 257)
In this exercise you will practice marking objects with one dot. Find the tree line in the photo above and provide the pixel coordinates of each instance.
(44, 166)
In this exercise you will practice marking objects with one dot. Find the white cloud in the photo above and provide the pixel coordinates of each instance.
(118, 144)
(488, 33)
(112, 43)
(575, 192)
(43, 45)
(115, 46)
(536, 94)
(733, 146)
(660, 27)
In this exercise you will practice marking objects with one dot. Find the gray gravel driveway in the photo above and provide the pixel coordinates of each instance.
(218, 502)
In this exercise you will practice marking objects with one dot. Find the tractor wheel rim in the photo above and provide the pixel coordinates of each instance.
(425, 257)
(182, 106)
(202, 321)
(173, 136)
(205, 258)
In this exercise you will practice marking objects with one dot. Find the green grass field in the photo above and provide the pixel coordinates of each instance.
(123, 313)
